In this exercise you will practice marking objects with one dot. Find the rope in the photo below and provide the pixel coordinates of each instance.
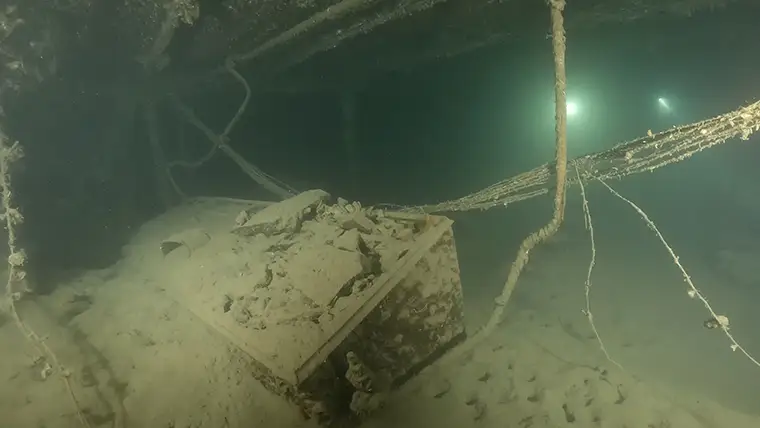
(16, 286)
(558, 44)
(548, 230)
(647, 153)
(220, 142)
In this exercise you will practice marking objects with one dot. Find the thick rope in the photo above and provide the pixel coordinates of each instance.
(558, 43)
(541, 235)
(221, 142)
(644, 154)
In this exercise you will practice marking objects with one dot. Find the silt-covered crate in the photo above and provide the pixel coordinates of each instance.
(336, 304)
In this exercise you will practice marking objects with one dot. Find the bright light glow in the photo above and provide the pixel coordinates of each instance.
(664, 104)
(572, 108)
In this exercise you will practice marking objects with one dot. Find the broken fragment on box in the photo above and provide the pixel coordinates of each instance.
(191, 239)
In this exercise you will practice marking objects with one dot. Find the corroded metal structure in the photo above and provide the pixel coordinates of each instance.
(283, 44)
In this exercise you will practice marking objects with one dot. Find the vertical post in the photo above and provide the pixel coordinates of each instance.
(560, 108)
(348, 107)
(161, 171)
(121, 138)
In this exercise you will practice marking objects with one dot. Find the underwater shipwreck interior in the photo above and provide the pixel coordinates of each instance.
(262, 213)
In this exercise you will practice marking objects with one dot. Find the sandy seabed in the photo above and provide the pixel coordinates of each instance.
(139, 359)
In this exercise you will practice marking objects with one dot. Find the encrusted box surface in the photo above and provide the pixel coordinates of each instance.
(337, 305)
